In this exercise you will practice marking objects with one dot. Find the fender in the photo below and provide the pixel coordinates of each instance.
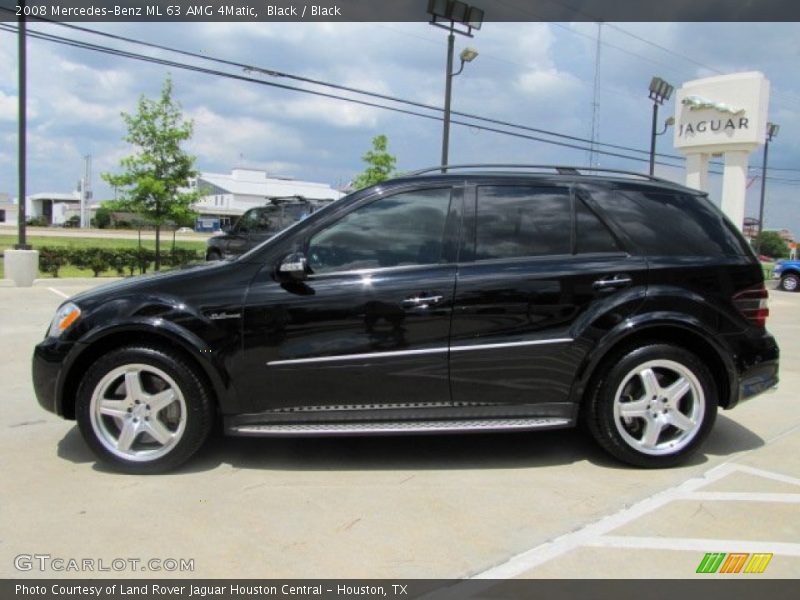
(639, 326)
(211, 363)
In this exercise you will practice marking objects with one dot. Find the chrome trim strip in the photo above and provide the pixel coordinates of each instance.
(343, 357)
(510, 344)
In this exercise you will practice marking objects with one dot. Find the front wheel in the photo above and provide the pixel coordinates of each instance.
(143, 409)
(213, 255)
(654, 406)
(790, 282)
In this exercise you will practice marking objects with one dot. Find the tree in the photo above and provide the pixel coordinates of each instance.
(772, 244)
(380, 164)
(155, 179)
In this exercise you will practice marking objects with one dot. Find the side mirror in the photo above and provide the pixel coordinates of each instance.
(294, 266)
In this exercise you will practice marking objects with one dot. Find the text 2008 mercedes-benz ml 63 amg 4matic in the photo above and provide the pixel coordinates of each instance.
(445, 301)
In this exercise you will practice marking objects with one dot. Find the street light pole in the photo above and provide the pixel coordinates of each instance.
(653, 140)
(448, 91)
(455, 17)
(772, 131)
(660, 91)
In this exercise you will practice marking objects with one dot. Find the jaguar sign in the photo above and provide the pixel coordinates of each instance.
(725, 115)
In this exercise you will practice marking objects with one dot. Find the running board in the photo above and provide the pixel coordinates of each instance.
(396, 427)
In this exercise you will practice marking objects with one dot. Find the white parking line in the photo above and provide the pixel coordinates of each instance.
(743, 497)
(58, 292)
(594, 534)
(695, 544)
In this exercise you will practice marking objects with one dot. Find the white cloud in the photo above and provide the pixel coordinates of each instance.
(227, 140)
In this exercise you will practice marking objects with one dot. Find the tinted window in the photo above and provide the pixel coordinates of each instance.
(665, 223)
(591, 234)
(404, 229)
(514, 221)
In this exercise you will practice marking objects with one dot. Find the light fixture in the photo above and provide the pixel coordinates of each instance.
(660, 90)
(468, 54)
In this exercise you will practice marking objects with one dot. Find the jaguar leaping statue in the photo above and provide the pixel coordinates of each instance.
(700, 103)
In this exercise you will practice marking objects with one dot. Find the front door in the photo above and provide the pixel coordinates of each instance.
(369, 326)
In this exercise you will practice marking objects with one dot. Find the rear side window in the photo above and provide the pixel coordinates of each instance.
(591, 235)
(519, 221)
(671, 223)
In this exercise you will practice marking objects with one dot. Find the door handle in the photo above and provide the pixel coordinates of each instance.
(612, 283)
(422, 301)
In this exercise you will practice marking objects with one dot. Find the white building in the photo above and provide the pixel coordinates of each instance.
(8, 211)
(226, 196)
(55, 208)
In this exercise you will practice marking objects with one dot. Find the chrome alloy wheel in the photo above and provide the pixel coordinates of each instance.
(659, 407)
(138, 412)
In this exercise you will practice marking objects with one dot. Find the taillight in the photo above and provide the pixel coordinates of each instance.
(752, 303)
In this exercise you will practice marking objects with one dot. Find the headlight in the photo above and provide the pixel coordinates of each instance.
(66, 315)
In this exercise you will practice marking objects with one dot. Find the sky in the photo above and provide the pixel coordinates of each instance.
(540, 75)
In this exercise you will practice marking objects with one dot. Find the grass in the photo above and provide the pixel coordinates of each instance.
(8, 241)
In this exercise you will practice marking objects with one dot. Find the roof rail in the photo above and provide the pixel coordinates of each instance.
(560, 169)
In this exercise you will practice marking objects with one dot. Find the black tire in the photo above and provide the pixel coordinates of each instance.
(183, 423)
(213, 255)
(676, 435)
(790, 282)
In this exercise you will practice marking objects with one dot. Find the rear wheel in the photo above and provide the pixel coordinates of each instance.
(143, 409)
(655, 405)
(790, 282)
(213, 255)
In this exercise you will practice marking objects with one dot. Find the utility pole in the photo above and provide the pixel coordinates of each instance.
(86, 190)
(593, 160)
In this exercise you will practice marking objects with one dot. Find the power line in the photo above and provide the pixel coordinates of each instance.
(165, 62)
(275, 73)
(204, 70)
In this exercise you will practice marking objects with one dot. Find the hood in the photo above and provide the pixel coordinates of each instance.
(166, 280)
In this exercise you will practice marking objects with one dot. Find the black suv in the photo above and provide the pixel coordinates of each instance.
(445, 301)
(260, 223)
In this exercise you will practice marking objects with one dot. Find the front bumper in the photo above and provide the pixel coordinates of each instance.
(49, 358)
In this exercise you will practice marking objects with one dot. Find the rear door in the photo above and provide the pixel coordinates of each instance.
(537, 267)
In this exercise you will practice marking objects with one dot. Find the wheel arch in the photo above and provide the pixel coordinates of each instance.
(102, 342)
(664, 329)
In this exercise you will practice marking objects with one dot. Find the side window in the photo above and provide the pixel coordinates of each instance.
(590, 232)
(247, 221)
(399, 230)
(266, 219)
(671, 223)
(516, 221)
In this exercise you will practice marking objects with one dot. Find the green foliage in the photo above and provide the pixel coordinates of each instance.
(772, 244)
(154, 180)
(100, 260)
(380, 164)
(96, 260)
(36, 222)
(73, 221)
(51, 260)
(102, 218)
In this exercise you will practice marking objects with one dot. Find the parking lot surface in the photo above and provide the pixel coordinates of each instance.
(547, 504)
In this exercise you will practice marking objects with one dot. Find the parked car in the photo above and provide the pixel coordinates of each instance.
(787, 272)
(469, 300)
(258, 224)
(185, 230)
